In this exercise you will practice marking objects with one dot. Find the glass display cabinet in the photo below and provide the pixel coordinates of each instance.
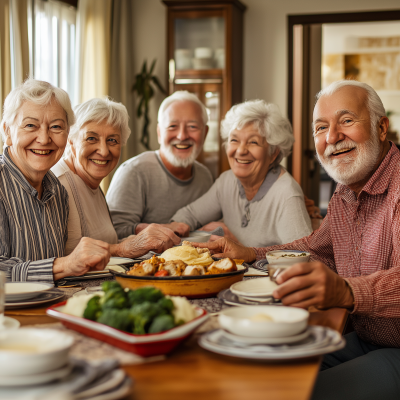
(205, 57)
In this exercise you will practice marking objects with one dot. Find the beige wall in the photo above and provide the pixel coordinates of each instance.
(265, 42)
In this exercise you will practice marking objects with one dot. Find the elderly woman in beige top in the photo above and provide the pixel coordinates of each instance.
(94, 148)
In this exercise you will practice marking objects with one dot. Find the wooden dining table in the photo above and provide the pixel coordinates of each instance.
(192, 373)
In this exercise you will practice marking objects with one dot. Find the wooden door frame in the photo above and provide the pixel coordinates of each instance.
(309, 19)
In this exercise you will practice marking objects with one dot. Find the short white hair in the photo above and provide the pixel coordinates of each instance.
(267, 119)
(374, 102)
(182, 95)
(37, 92)
(98, 110)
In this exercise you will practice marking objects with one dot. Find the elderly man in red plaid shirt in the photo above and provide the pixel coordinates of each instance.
(355, 254)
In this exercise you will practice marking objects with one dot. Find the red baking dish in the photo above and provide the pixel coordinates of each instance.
(143, 345)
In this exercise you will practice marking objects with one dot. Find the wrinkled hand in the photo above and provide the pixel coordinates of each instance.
(90, 254)
(312, 209)
(179, 228)
(155, 237)
(214, 225)
(224, 247)
(313, 284)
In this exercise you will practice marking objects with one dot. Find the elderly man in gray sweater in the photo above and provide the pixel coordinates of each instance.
(152, 186)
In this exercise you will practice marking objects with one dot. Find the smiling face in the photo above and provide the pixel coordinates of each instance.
(181, 133)
(95, 151)
(37, 139)
(346, 147)
(248, 154)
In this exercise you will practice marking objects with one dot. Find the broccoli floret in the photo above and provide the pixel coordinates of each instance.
(118, 319)
(114, 298)
(162, 323)
(143, 314)
(93, 309)
(144, 294)
(108, 285)
(166, 304)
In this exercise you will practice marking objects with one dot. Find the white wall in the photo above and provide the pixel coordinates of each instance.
(265, 42)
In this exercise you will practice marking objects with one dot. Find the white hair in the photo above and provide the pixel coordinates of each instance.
(374, 102)
(269, 122)
(98, 110)
(37, 92)
(181, 95)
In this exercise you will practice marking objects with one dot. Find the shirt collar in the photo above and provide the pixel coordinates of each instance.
(380, 180)
(49, 180)
(270, 179)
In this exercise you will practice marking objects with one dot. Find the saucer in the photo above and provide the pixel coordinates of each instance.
(262, 287)
(266, 340)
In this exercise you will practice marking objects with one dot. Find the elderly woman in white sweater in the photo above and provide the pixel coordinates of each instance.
(259, 201)
(93, 151)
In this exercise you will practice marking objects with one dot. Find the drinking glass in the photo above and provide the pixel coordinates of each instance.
(275, 269)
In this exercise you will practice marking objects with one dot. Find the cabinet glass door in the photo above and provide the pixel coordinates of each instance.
(199, 43)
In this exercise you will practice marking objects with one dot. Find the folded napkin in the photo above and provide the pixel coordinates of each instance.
(261, 265)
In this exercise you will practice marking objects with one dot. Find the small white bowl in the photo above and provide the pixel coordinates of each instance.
(18, 291)
(277, 257)
(199, 237)
(286, 321)
(33, 351)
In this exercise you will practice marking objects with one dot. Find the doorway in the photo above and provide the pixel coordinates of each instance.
(314, 63)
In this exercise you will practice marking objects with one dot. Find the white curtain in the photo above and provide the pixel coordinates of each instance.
(52, 43)
(93, 49)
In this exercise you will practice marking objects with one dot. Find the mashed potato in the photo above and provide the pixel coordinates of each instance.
(187, 254)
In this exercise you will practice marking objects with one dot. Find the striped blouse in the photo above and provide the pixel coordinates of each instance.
(33, 231)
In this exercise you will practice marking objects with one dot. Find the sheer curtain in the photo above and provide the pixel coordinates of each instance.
(93, 49)
(52, 42)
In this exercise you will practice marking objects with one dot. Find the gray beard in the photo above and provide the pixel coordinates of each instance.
(177, 161)
(355, 167)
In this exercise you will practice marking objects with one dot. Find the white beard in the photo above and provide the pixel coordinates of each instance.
(178, 161)
(354, 167)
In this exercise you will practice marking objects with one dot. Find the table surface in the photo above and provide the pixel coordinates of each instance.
(191, 372)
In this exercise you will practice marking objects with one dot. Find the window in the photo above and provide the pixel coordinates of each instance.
(52, 27)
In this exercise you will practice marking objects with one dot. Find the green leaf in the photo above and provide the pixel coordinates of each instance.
(152, 66)
(158, 84)
(144, 67)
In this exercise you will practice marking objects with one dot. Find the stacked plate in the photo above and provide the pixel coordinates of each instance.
(34, 364)
(30, 294)
(270, 333)
(256, 290)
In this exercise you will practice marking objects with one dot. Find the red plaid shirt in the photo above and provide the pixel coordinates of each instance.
(360, 240)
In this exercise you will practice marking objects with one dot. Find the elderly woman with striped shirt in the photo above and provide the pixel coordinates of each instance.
(33, 203)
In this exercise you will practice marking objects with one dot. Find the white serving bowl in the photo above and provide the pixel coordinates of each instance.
(18, 291)
(199, 237)
(287, 321)
(33, 351)
(276, 257)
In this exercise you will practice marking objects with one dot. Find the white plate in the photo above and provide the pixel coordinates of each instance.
(216, 342)
(119, 260)
(262, 287)
(264, 340)
(199, 237)
(9, 323)
(36, 379)
(19, 291)
(174, 333)
(43, 298)
(231, 299)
